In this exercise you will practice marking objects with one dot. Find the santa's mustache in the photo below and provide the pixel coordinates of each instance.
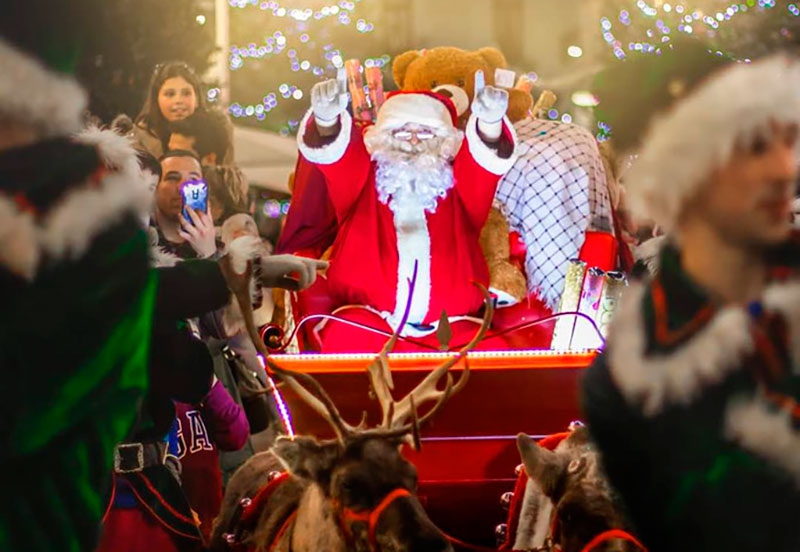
(420, 179)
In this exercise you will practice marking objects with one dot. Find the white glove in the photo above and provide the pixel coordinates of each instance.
(327, 102)
(289, 271)
(489, 106)
(490, 103)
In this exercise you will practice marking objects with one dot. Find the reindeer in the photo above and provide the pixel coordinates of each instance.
(354, 493)
(569, 504)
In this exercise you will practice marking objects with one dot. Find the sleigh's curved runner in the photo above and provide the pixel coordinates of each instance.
(469, 451)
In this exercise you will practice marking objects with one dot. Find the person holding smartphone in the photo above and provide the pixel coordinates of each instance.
(183, 231)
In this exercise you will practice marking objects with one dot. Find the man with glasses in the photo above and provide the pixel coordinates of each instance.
(411, 195)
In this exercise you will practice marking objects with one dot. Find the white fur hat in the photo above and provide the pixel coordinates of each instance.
(700, 133)
(422, 108)
(41, 45)
(32, 93)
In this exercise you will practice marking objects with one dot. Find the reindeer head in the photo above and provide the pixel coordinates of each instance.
(368, 488)
(584, 504)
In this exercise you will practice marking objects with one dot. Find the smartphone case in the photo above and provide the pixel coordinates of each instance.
(194, 194)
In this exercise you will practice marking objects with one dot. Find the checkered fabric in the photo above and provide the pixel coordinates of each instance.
(553, 194)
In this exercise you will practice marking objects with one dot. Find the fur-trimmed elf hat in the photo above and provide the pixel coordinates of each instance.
(40, 44)
(417, 107)
(701, 132)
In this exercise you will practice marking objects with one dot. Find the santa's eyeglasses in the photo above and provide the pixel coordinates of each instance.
(405, 134)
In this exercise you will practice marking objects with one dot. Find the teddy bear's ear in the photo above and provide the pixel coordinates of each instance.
(493, 57)
(400, 66)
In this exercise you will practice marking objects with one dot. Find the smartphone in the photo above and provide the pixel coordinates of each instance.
(194, 194)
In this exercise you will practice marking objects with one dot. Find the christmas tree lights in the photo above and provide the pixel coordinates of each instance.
(743, 29)
(299, 46)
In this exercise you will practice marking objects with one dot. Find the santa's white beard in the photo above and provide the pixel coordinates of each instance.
(410, 179)
(417, 175)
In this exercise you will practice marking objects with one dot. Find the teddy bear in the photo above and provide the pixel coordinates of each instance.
(451, 72)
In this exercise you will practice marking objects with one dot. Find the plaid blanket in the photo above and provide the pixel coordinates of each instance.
(553, 194)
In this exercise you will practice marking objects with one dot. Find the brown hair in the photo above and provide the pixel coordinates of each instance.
(228, 187)
(208, 128)
(151, 117)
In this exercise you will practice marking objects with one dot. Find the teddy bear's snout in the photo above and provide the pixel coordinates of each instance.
(457, 94)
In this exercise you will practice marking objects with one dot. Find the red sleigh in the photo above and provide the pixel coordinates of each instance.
(467, 457)
(517, 384)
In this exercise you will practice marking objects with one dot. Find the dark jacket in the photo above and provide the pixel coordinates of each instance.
(74, 345)
(181, 369)
(684, 408)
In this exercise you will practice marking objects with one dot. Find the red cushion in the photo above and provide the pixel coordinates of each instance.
(314, 300)
(518, 249)
(600, 250)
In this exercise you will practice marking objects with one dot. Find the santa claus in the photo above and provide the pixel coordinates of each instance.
(411, 194)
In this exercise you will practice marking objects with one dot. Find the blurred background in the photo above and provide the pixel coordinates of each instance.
(261, 57)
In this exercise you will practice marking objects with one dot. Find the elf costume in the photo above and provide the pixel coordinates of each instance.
(77, 296)
(694, 404)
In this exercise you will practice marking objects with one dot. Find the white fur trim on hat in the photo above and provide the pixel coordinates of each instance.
(34, 95)
(67, 229)
(486, 156)
(330, 153)
(421, 109)
(700, 133)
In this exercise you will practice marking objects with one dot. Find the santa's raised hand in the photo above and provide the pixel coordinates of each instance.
(489, 106)
(327, 102)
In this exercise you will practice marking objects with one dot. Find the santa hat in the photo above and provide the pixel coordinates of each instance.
(40, 44)
(419, 107)
(687, 141)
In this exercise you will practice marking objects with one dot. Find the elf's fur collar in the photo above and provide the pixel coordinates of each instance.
(34, 95)
(648, 253)
(654, 382)
(67, 229)
(758, 427)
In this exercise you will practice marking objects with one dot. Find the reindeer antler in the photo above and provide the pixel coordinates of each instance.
(397, 413)
(320, 402)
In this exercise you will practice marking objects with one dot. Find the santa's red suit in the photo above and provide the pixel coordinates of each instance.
(377, 249)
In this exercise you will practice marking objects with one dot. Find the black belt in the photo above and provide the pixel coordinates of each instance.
(134, 457)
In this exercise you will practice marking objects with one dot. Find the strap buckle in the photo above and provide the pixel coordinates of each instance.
(228, 353)
(129, 457)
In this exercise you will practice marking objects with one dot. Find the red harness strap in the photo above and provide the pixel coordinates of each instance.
(602, 538)
(370, 517)
(250, 511)
(612, 534)
(252, 508)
